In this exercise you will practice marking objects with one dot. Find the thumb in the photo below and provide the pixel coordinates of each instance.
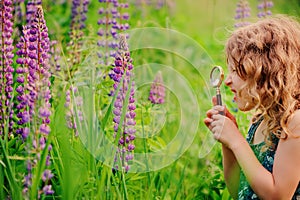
(214, 100)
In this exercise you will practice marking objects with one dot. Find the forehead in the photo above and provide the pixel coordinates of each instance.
(231, 64)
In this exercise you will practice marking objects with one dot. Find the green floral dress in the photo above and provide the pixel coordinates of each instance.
(266, 158)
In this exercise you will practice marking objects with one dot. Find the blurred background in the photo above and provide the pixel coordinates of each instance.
(181, 42)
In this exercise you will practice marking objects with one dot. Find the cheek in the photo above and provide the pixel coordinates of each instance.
(238, 80)
(246, 102)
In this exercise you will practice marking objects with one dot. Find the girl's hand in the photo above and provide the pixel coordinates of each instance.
(223, 127)
(225, 130)
(211, 112)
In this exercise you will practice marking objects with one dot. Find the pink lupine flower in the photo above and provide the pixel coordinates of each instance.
(157, 91)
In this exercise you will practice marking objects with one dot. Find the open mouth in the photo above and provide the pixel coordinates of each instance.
(235, 94)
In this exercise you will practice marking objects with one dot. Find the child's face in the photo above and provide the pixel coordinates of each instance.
(239, 87)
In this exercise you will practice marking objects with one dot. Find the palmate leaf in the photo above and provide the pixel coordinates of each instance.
(156, 143)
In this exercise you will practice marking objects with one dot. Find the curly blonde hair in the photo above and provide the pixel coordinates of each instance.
(267, 55)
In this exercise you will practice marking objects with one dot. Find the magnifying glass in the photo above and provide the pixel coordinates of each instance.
(216, 78)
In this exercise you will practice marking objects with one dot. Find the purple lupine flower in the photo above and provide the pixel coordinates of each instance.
(156, 4)
(27, 181)
(6, 71)
(70, 105)
(157, 91)
(78, 15)
(160, 4)
(47, 190)
(111, 22)
(55, 51)
(33, 89)
(33, 71)
(18, 11)
(26, 83)
(31, 8)
(123, 130)
(47, 175)
(39, 29)
(242, 13)
(39, 32)
(264, 7)
(78, 18)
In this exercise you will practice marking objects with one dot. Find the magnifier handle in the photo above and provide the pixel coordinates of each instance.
(219, 102)
(219, 99)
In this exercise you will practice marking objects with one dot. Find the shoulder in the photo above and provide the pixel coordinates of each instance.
(291, 143)
(287, 157)
(294, 124)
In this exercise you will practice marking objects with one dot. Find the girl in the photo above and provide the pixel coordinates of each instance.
(264, 74)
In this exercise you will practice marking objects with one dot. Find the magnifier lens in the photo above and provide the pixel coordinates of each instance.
(215, 77)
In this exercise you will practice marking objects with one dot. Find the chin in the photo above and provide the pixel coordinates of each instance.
(245, 107)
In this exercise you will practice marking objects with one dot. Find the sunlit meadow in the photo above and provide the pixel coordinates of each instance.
(106, 99)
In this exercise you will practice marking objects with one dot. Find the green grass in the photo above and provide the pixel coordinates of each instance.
(81, 165)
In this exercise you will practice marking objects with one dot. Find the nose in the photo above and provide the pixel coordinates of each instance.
(228, 80)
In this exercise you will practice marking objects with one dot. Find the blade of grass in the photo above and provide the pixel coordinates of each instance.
(180, 181)
(8, 171)
(145, 147)
(173, 169)
(39, 170)
(2, 195)
(170, 176)
(117, 188)
(62, 150)
(155, 183)
(124, 185)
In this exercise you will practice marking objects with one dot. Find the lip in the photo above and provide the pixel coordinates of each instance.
(234, 92)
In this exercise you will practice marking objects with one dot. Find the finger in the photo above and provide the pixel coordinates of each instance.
(217, 117)
(207, 122)
(226, 111)
(230, 116)
(214, 100)
(216, 126)
(216, 133)
(217, 136)
(219, 108)
(214, 122)
(211, 112)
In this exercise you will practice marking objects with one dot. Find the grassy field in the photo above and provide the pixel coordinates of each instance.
(175, 156)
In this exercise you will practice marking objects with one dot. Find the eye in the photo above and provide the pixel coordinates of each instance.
(233, 70)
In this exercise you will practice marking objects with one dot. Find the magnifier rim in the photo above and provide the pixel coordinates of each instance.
(221, 76)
